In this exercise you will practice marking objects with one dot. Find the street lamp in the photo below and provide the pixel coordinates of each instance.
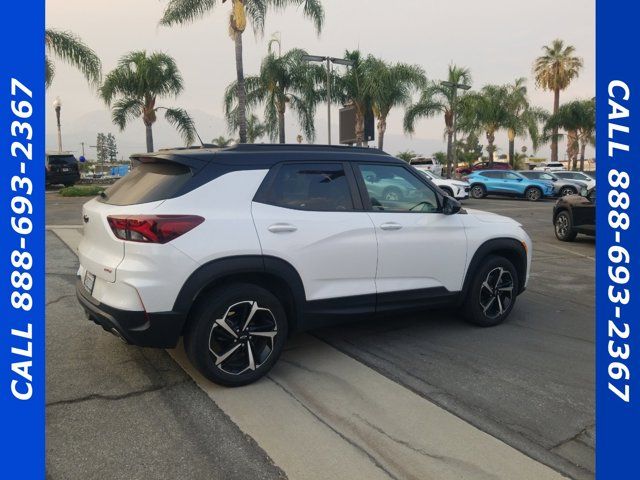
(57, 105)
(451, 155)
(328, 61)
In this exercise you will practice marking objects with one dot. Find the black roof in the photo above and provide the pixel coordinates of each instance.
(260, 154)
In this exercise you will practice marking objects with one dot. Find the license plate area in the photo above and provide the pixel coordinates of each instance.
(89, 282)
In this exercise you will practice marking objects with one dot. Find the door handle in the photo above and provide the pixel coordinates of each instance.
(282, 228)
(391, 226)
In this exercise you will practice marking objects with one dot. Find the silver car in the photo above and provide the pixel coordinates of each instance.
(561, 186)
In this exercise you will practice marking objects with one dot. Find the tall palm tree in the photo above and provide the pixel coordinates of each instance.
(438, 99)
(391, 86)
(285, 81)
(69, 48)
(523, 117)
(255, 129)
(577, 119)
(554, 71)
(186, 11)
(134, 87)
(486, 111)
(353, 88)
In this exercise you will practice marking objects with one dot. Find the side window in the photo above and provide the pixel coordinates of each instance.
(310, 186)
(510, 176)
(492, 174)
(394, 189)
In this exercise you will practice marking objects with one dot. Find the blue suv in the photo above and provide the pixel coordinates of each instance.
(501, 182)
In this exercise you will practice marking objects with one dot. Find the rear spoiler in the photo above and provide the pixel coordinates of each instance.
(193, 163)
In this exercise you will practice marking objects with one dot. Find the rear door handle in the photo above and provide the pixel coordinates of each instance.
(391, 226)
(282, 228)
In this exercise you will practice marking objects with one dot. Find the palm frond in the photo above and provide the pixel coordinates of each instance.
(125, 110)
(180, 12)
(49, 71)
(183, 123)
(69, 48)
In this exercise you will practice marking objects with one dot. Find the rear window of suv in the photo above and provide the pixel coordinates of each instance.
(62, 160)
(148, 182)
(309, 186)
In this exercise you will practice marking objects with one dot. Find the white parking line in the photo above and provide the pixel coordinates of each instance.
(321, 414)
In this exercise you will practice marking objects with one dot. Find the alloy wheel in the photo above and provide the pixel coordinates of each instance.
(533, 194)
(496, 292)
(243, 338)
(562, 226)
(477, 192)
(567, 191)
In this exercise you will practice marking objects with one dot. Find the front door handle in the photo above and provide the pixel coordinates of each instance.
(282, 228)
(391, 226)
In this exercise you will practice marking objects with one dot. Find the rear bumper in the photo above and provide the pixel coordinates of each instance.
(159, 330)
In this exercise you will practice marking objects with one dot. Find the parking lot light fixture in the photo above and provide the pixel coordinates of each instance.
(328, 62)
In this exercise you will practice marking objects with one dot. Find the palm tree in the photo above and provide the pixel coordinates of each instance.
(523, 117)
(486, 111)
(186, 11)
(353, 88)
(391, 86)
(222, 141)
(70, 48)
(255, 129)
(439, 99)
(134, 87)
(284, 81)
(577, 118)
(554, 71)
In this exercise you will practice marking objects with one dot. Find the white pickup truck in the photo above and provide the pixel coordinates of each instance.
(429, 164)
(549, 167)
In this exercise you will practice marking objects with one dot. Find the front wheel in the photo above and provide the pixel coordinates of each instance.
(478, 191)
(492, 293)
(564, 191)
(533, 194)
(236, 334)
(563, 228)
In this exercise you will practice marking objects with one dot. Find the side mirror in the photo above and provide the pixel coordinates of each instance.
(450, 206)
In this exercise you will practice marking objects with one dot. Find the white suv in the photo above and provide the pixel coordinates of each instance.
(236, 248)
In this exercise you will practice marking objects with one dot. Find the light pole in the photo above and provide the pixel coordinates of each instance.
(328, 61)
(57, 105)
(451, 155)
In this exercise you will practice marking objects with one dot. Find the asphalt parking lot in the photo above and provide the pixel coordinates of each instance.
(115, 411)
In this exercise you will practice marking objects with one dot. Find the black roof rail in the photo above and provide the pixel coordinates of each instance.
(261, 147)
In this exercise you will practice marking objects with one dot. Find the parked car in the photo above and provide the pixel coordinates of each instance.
(61, 169)
(499, 182)
(466, 170)
(549, 167)
(580, 176)
(575, 214)
(235, 248)
(427, 164)
(561, 186)
(454, 188)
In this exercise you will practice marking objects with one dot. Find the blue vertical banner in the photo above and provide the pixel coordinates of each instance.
(618, 246)
(22, 324)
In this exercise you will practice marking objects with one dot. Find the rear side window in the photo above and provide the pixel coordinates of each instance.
(149, 182)
(309, 186)
(492, 174)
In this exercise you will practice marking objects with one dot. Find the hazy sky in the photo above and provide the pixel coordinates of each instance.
(497, 39)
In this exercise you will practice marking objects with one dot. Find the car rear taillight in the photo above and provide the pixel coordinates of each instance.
(152, 228)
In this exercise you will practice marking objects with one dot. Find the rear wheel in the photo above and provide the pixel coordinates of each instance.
(478, 191)
(492, 293)
(236, 334)
(564, 228)
(533, 194)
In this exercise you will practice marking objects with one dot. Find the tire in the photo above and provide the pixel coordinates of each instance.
(392, 194)
(492, 293)
(217, 327)
(564, 191)
(563, 227)
(533, 194)
(478, 191)
(447, 191)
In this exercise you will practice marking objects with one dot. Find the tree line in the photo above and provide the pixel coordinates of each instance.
(286, 82)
